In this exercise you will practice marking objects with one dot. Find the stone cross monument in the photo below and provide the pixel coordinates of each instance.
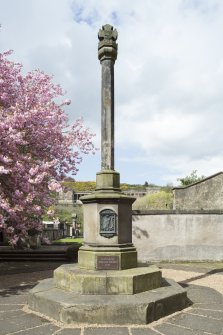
(107, 286)
(107, 212)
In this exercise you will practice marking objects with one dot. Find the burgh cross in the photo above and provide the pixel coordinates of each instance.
(107, 54)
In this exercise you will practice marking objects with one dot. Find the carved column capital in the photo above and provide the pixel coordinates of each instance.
(107, 46)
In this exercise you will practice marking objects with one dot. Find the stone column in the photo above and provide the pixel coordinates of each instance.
(107, 54)
(108, 178)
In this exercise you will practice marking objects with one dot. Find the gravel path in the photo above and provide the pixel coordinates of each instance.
(214, 281)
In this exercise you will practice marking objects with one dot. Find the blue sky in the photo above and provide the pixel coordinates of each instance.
(168, 77)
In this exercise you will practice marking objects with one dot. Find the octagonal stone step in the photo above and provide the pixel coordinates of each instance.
(131, 281)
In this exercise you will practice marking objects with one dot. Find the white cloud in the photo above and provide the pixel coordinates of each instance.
(168, 76)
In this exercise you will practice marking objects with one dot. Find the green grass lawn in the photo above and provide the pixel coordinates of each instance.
(69, 240)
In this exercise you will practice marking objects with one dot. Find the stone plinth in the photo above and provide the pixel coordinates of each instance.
(108, 218)
(107, 258)
(140, 308)
(108, 181)
(131, 281)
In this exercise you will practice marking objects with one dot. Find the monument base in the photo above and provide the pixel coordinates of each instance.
(131, 281)
(140, 308)
(107, 258)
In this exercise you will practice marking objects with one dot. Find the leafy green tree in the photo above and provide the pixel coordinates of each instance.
(191, 179)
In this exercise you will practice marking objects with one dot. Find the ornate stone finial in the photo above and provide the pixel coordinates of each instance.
(107, 47)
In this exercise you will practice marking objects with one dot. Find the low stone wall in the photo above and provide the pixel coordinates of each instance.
(206, 194)
(174, 235)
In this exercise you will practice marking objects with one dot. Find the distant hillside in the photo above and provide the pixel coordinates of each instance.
(83, 186)
(80, 186)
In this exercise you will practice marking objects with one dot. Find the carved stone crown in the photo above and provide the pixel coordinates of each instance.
(107, 47)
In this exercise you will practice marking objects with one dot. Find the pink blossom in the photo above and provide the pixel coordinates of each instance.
(33, 170)
(10, 230)
(66, 102)
(3, 226)
(14, 240)
(37, 209)
(38, 146)
(54, 186)
(2, 219)
(4, 170)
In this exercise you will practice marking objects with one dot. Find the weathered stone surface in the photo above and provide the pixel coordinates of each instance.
(143, 331)
(211, 306)
(69, 331)
(169, 329)
(108, 180)
(198, 323)
(182, 236)
(48, 329)
(107, 331)
(204, 295)
(218, 315)
(206, 194)
(107, 46)
(88, 256)
(130, 281)
(140, 308)
(117, 244)
(20, 321)
(107, 53)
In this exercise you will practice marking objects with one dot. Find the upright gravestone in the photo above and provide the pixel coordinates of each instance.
(107, 285)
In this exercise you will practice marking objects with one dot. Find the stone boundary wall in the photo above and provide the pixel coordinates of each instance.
(178, 235)
(204, 194)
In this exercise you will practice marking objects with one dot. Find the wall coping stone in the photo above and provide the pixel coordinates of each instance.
(179, 212)
(197, 182)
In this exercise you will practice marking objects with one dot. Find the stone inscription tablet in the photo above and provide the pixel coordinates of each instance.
(107, 263)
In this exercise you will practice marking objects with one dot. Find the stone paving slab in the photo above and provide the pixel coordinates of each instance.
(198, 323)
(12, 307)
(204, 317)
(48, 329)
(23, 322)
(69, 331)
(218, 315)
(143, 331)
(107, 331)
(171, 329)
(10, 315)
(200, 294)
(210, 306)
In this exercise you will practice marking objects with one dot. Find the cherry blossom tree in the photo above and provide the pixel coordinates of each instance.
(38, 147)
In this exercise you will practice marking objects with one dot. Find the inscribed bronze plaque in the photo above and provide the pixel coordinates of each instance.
(108, 223)
(107, 263)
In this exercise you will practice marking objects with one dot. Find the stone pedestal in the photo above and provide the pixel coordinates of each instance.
(108, 237)
(139, 279)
